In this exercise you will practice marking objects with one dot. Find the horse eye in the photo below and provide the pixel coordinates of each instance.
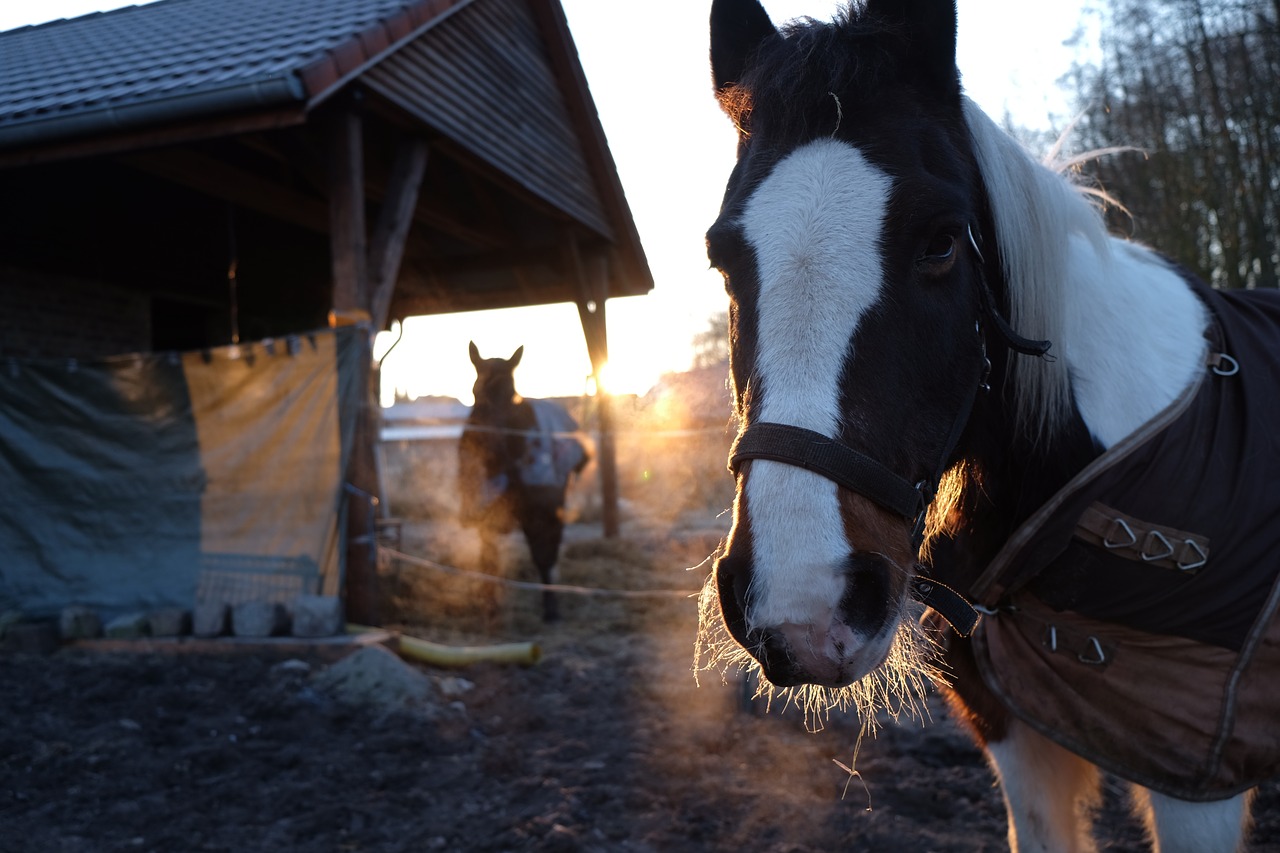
(938, 254)
(941, 246)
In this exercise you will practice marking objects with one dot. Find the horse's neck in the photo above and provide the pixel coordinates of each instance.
(513, 414)
(1133, 336)
(500, 432)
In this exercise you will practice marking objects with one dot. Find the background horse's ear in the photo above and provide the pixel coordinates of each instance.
(515, 357)
(738, 28)
(475, 353)
(930, 26)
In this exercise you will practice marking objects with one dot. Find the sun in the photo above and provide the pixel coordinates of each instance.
(629, 376)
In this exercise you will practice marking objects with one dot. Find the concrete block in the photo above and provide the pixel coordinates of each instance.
(129, 626)
(79, 623)
(259, 619)
(211, 618)
(317, 616)
(170, 622)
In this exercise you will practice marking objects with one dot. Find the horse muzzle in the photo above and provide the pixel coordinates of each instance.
(834, 646)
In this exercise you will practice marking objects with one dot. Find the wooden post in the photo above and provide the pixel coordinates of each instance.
(351, 304)
(593, 290)
(347, 242)
(386, 249)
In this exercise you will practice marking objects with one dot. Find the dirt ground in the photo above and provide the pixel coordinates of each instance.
(607, 744)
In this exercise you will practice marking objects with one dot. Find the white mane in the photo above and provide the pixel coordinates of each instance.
(1036, 212)
(1127, 331)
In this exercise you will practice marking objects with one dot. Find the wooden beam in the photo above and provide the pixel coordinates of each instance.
(347, 240)
(386, 249)
(221, 180)
(253, 191)
(499, 261)
(350, 302)
(591, 277)
(441, 300)
(151, 138)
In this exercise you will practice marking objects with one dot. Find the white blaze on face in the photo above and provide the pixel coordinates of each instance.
(815, 225)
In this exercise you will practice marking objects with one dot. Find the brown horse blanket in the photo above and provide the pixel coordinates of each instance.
(1136, 610)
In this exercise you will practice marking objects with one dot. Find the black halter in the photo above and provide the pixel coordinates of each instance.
(860, 473)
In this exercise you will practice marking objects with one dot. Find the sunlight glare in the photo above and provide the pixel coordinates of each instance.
(628, 376)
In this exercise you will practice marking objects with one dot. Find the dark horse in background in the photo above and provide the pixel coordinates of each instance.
(935, 342)
(515, 459)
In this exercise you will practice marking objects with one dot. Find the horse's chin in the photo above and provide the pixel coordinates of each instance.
(895, 681)
(832, 656)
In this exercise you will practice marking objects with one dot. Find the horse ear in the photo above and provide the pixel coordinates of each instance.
(738, 28)
(475, 353)
(515, 357)
(931, 33)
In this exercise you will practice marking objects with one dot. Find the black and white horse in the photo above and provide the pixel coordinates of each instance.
(515, 459)
(937, 354)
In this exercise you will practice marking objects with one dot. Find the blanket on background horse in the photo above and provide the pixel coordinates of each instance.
(1149, 584)
(552, 452)
(548, 454)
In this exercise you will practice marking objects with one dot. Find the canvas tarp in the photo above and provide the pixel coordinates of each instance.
(141, 481)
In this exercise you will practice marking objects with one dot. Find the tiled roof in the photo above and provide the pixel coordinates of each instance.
(178, 58)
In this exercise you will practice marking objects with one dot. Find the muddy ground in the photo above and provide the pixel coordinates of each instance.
(607, 744)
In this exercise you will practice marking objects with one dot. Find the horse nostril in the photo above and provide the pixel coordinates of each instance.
(868, 594)
(770, 649)
(733, 577)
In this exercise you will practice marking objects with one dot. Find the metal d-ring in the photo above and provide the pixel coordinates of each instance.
(1123, 526)
(1163, 540)
(1097, 656)
(1233, 366)
(1200, 554)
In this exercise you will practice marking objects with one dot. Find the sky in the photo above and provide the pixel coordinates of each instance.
(646, 65)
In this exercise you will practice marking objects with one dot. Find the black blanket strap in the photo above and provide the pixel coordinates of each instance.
(947, 603)
(838, 462)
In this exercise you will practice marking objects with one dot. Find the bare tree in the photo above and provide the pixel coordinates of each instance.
(1194, 84)
(711, 346)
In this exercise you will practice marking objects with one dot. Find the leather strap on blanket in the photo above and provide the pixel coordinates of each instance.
(1134, 539)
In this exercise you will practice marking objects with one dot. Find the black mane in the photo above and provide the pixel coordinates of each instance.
(792, 83)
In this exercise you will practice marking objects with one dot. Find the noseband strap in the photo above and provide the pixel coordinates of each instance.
(860, 473)
(837, 462)
(854, 470)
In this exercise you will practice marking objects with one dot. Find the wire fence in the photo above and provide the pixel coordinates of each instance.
(432, 565)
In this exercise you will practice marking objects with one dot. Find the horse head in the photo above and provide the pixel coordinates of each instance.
(851, 243)
(495, 385)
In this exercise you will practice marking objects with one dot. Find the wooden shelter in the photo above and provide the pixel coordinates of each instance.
(192, 173)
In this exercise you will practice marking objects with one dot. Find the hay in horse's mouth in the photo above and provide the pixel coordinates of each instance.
(894, 690)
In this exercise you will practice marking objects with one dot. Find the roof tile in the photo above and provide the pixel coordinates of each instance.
(173, 48)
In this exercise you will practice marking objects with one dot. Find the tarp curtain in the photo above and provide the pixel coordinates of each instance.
(142, 481)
